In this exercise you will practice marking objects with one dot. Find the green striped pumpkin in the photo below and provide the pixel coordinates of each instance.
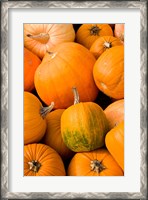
(83, 126)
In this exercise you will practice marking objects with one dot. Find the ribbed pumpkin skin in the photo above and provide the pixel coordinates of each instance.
(34, 124)
(86, 36)
(54, 34)
(115, 113)
(51, 162)
(69, 65)
(119, 32)
(80, 164)
(104, 43)
(53, 136)
(83, 127)
(31, 62)
(114, 141)
(108, 72)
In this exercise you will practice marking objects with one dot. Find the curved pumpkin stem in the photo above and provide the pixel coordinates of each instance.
(45, 110)
(97, 166)
(34, 165)
(76, 95)
(41, 37)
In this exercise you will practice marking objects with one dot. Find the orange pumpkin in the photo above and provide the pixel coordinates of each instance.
(119, 31)
(40, 38)
(42, 160)
(109, 72)
(114, 141)
(102, 44)
(31, 62)
(66, 65)
(115, 113)
(94, 163)
(34, 118)
(53, 136)
(88, 33)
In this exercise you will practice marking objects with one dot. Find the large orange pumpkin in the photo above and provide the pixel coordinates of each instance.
(68, 64)
(31, 62)
(94, 163)
(109, 72)
(114, 141)
(53, 136)
(34, 118)
(119, 31)
(42, 160)
(88, 33)
(115, 113)
(103, 43)
(40, 38)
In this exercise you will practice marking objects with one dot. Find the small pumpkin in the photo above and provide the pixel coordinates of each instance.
(40, 38)
(66, 65)
(88, 33)
(119, 31)
(108, 72)
(34, 118)
(31, 62)
(42, 160)
(102, 44)
(94, 163)
(83, 125)
(114, 141)
(53, 136)
(115, 113)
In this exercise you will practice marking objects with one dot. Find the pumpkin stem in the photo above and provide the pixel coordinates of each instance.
(41, 37)
(45, 110)
(76, 95)
(94, 30)
(107, 45)
(96, 166)
(34, 165)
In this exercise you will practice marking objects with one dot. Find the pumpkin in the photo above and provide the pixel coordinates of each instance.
(53, 136)
(34, 118)
(83, 125)
(31, 62)
(40, 38)
(114, 141)
(119, 31)
(66, 65)
(88, 33)
(94, 163)
(102, 44)
(108, 72)
(42, 160)
(115, 113)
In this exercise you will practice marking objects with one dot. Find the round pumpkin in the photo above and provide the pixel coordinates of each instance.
(88, 33)
(108, 72)
(42, 160)
(119, 31)
(102, 44)
(83, 125)
(115, 113)
(66, 65)
(94, 163)
(40, 38)
(34, 118)
(31, 62)
(53, 136)
(114, 141)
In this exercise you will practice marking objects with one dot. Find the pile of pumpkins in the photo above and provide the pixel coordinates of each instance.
(73, 99)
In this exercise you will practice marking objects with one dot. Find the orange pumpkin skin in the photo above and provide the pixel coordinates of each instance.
(42, 160)
(115, 113)
(108, 72)
(114, 141)
(40, 38)
(94, 163)
(102, 44)
(69, 65)
(34, 121)
(119, 31)
(31, 62)
(53, 136)
(88, 33)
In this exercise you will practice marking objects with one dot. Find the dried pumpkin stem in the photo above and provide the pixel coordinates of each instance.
(42, 37)
(96, 166)
(76, 95)
(34, 165)
(107, 45)
(45, 110)
(94, 30)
